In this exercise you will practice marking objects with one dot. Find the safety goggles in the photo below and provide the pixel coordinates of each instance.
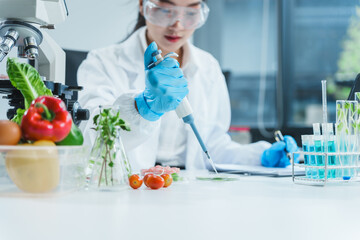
(190, 18)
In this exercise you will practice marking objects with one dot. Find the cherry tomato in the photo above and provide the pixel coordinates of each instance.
(135, 181)
(167, 179)
(146, 177)
(155, 182)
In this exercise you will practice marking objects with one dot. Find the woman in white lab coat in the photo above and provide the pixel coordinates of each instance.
(115, 75)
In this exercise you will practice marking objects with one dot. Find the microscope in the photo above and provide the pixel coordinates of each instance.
(22, 24)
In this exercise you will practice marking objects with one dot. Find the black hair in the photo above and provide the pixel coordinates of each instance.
(140, 23)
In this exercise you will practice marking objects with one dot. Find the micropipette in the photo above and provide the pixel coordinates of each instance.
(184, 109)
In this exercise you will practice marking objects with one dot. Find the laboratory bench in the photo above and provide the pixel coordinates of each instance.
(252, 207)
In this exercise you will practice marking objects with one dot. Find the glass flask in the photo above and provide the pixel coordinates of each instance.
(347, 118)
(108, 168)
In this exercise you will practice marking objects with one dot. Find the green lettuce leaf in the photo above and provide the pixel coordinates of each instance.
(18, 117)
(27, 80)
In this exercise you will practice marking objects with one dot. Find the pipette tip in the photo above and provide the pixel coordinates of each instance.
(211, 162)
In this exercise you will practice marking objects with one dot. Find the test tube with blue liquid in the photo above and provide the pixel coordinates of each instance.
(306, 139)
(313, 173)
(318, 145)
(328, 131)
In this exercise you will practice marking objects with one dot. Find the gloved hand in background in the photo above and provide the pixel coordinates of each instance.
(275, 156)
(165, 86)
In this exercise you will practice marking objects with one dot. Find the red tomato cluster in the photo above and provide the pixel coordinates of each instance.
(150, 180)
(154, 177)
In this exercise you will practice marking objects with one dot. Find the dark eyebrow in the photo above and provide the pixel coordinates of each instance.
(190, 5)
(194, 4)
(167, 1)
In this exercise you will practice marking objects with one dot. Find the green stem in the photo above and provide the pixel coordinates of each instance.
(105, 158)
(101, 171)
(108, 152)
(110, 158)
(112, 177)
(47, 114)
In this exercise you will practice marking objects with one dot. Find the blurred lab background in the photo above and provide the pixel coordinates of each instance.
(274, 54)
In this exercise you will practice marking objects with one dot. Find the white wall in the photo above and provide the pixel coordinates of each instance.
(91, 24)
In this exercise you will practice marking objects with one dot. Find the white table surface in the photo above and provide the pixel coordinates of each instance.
(250, 208)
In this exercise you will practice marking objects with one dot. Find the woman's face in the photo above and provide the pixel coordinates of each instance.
(171, 38)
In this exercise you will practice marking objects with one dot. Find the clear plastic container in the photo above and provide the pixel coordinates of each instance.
(42, 170)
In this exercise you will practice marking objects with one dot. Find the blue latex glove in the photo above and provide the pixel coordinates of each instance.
(275, 156)
(165, 86)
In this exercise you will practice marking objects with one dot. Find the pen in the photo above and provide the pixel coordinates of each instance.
(280, 138)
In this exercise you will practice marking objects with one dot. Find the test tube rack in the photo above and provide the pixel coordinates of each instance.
(326, 167)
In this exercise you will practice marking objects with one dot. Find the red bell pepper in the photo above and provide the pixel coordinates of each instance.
(46, 119)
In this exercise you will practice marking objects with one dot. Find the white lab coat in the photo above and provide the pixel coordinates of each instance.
(115, 75)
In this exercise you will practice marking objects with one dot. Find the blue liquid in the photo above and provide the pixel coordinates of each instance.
(352, 162)
(345, 173)
(307, 160)
(313, 171)
(344, 161)
(319, 159)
